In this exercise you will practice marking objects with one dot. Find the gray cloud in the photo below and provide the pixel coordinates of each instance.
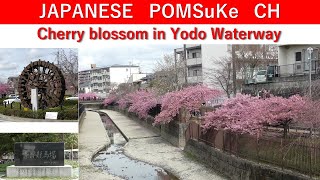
(12, 61)
(8, 66)
(143, 55)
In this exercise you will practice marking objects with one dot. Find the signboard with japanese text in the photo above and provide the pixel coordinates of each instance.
(39, 154)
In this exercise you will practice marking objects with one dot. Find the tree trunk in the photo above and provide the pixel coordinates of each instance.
(285, 130)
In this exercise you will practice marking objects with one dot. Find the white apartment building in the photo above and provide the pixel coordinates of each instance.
(121, 73)
(94, 80)
(102, 80)
(136, 77)
(199, 58)
(294, 59)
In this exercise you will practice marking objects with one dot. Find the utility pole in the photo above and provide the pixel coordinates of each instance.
(175, 68)
(310, 51)
(185, 62)
(234, 72)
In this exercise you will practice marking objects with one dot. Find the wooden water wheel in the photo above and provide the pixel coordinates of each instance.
(49, 81)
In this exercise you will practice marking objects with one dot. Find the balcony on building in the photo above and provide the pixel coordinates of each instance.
(294, 60)
(194, 75)
(193, 54)
(194, 61)
(194, 79)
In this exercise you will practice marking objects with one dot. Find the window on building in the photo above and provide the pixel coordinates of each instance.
(298, 56)
(196, 72)
(195, 55)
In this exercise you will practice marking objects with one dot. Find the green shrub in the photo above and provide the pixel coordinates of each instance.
(8, 112)
(70, 103)
(17, 112)
(27, 114)
(3, 167)
(2, 99)
(68, 114)
(71, 114)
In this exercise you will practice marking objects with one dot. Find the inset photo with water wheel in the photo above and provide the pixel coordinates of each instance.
(39, 86)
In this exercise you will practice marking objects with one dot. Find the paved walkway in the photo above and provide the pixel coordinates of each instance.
(144, 146)
(130, 128)
(92, 138)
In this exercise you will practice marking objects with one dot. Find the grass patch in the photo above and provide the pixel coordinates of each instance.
(74, 163)
(3, 167)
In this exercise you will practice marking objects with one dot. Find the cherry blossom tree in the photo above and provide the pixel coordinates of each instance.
(311, 115)
(4, 88)
(236, 114)
(247, 114)
(142, 101)
(125, 101)
(88, 96)
(190, 98)
(283, 111)
(112, 98)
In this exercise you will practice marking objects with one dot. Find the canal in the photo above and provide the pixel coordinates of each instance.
(114, 161)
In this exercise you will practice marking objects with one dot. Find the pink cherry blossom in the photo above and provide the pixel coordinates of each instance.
(4, 88)
(190, 98)
(142, 102)
(247, 114)
(311, 114)
(112, 98)
(87, 96)
(125, 100)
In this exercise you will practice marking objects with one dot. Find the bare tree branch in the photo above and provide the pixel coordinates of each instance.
(67, 61)
(220, 74)
(167, 74)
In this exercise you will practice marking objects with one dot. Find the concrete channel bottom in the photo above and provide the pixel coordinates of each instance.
(113, 160)
(39, 171)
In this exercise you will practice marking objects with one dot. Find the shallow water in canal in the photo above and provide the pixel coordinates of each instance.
(115, 162)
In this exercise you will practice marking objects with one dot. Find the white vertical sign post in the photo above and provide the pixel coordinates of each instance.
(34, 99)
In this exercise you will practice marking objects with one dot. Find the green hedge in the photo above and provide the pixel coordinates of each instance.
(3, 167)
(70, 103)
(69, 112)
(40, 114)
(2, 99)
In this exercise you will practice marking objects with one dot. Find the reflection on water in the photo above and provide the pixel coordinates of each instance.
(115, 162)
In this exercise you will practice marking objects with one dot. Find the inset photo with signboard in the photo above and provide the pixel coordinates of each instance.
(28, 156)
(39, 85)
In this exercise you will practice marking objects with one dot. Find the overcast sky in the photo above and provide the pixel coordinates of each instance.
(140, 54)
(12, 61)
